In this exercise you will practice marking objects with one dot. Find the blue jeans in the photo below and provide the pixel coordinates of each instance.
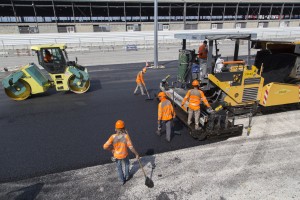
(120, 169)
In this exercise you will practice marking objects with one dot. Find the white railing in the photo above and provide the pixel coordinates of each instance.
(111, 41)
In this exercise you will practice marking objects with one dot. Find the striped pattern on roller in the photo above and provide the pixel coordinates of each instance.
(266, 97)
(299, 92)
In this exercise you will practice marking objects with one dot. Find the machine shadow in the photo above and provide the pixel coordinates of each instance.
(29, 193)
(95, 85)
(49, 92)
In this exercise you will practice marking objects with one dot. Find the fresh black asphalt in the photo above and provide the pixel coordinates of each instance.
(59, 131)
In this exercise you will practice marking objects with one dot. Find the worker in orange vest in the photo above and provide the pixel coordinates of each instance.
(166, 114)
(140, 81)
(202, 56)
(194, 97)
(118, 144)
(48, 56)
(202, 51)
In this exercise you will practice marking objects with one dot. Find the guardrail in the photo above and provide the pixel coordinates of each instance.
(86, 42)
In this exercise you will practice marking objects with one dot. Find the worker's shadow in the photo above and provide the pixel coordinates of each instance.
(29, 192)
(148, 158)
(177, 127)
(153, 92)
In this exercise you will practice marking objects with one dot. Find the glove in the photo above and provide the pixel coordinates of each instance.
(210, 110)
(159, 124)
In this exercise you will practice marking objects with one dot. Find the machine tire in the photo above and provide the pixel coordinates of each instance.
(198, 134)
(192, 133)
(76, 89)
(22, 96)
(202, 136)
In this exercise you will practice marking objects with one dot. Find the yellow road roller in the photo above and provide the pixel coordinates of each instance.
(65, 75)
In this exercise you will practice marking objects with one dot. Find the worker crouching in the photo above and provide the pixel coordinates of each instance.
(118, 143)
(166, 114)
(194, 97)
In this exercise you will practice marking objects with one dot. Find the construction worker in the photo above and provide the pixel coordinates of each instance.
(140, 81)
(194, 97)
(166, 114)
(118, 144)
(48, 56)
(202, 51)
(202, 55)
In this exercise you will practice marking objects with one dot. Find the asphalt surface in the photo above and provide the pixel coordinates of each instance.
(57, 139)
(59, 131)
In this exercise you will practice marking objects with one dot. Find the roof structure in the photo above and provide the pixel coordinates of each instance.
(29, 16)
(178, 1)
(45, 46)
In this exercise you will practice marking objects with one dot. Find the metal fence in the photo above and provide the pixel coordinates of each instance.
(19, 45)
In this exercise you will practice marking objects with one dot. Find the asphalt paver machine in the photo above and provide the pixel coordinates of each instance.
(64, 75)
(233, 86)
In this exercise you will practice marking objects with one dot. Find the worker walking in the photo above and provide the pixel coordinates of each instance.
(194, 97)
(118, 144)
(140, 81)
(166, 114)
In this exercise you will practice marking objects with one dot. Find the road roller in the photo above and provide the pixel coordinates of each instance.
(64, 75)
(236, 85)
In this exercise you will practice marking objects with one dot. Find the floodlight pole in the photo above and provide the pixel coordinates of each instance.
(155, 34)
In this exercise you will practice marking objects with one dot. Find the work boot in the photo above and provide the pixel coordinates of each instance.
(189, 123)
(197, 127)
(143, 94)
(158, 133)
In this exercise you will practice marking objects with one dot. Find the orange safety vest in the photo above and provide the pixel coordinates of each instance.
(120, 143)
(194, 97)
(139, 78)
(165, 110)
(202, 52)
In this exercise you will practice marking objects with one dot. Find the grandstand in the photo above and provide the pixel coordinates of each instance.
(70, 16)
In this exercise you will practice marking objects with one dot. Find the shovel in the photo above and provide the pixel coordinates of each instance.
(148, 182)
(147, 94)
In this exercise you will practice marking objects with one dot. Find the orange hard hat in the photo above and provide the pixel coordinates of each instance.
(195, 83)
(161, 94)
(144, 69)
(120, 124)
